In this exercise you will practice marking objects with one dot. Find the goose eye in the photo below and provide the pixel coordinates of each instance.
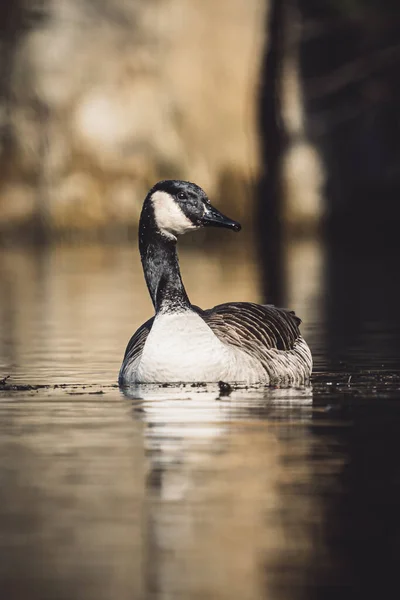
(181, 196)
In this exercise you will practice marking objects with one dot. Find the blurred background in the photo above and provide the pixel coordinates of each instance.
(287, 113)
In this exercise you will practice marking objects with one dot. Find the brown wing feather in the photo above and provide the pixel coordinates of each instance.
(251, 326)
(136, 344)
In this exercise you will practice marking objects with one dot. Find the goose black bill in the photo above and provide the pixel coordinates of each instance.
(213, 218)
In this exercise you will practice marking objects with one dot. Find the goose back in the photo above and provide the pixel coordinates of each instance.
(267, 333)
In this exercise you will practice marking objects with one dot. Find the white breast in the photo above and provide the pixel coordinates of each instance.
(181, 347)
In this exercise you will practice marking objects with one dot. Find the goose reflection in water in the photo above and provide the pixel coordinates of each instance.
(184, 423)
(216, 466)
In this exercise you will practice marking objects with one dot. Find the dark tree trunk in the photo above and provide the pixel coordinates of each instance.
(272, 145)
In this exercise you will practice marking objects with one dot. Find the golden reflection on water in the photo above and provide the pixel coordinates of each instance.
(225, 514)
(305, 284)
(305, 270)
(163, 493)
(71, 498)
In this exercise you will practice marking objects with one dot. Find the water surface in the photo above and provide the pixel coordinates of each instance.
(165, 493)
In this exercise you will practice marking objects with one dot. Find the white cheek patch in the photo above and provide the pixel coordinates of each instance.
(170, 219)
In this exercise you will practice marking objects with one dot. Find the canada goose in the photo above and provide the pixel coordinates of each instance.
(232, 342)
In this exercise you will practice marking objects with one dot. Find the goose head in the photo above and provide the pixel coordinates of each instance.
(180, 206)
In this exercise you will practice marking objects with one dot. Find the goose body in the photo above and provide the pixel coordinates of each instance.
(234, 342)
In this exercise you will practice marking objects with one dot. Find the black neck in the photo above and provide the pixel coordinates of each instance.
(160, 265)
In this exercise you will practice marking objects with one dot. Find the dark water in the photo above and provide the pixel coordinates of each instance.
(165, 493)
